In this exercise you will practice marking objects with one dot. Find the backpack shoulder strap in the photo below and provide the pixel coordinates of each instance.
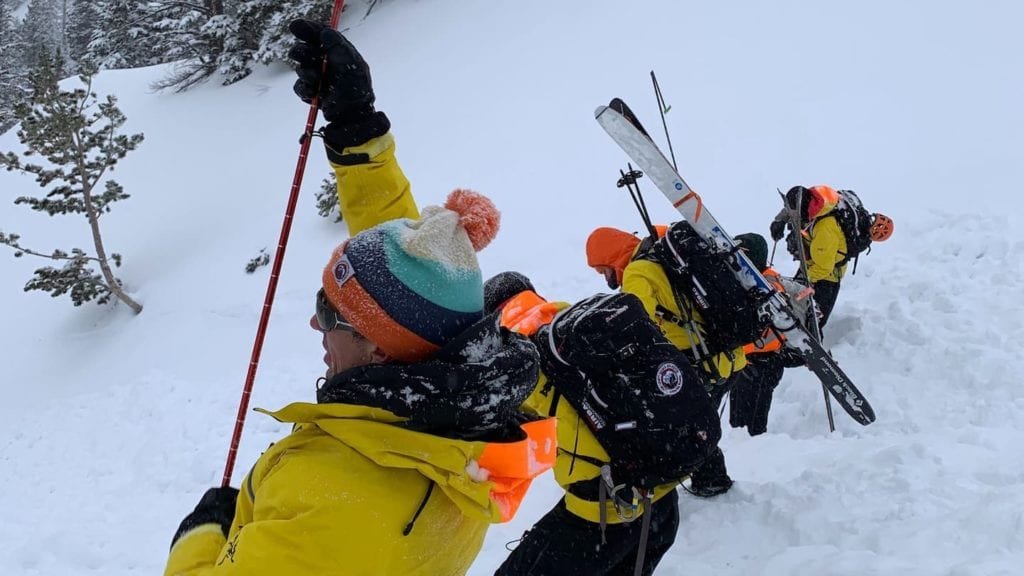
(645, 251)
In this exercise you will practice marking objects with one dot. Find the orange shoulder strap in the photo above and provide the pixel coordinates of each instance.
(526, 312)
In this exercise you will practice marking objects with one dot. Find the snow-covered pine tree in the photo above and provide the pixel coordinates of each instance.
(121, 40)
(84, 21)
(264, 24)
(229, 39)
(79, 138)
(13, 84)
(194, 34)
(40, 31)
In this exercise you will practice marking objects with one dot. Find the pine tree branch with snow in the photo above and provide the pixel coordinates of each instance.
(79, 137)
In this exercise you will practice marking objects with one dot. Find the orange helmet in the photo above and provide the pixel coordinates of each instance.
(881, 228)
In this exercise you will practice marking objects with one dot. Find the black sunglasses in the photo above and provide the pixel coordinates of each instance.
(327, 317)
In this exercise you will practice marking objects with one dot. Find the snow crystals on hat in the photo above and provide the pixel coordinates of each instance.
(412, 285)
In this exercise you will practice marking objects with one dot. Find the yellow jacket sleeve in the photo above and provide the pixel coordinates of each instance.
(828, 247)
(375, 191)
(289, 528)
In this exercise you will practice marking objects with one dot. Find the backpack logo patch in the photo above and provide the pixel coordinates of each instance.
(669, 379)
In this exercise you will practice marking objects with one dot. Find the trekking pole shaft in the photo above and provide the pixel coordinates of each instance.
(664, 123)
(828, 409)
(275, 272)
(816, 325)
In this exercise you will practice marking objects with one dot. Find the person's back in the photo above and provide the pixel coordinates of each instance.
(576, 537)
(646, 279)
(612, 253)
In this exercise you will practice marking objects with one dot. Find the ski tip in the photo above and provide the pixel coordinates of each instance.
(599, 110)
(620, 106)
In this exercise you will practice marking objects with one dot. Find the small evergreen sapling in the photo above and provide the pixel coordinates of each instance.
(79, 138)
(258, 261)
(327, 198)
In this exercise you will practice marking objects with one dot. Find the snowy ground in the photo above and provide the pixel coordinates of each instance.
(113, 425)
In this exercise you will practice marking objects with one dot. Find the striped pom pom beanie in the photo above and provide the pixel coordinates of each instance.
(410, 286)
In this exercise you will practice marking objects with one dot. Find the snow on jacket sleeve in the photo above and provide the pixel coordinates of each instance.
(375, 191)
(828, 246)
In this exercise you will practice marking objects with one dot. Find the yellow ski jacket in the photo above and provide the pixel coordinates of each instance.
(303, 509)
(826, 248)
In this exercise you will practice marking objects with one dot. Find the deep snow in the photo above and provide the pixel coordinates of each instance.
(113, 425)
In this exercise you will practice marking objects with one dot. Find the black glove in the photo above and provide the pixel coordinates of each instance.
(778, 229)
(344, 87)
(345, 90)
(217, 506)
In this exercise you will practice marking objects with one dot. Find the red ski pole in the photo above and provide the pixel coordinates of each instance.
(275, 272)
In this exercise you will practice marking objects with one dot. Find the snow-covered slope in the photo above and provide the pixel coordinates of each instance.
(113, 425)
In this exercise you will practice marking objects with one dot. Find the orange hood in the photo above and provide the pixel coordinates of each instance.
(611, 247)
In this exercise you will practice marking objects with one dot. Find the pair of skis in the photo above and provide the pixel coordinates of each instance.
(620, 123)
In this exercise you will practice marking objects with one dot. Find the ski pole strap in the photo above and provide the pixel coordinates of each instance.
(575, 446)
(553, 409)
(645, 531)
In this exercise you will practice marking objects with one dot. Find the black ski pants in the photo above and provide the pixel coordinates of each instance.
(825, 294)
(563, 544)
(751, 397)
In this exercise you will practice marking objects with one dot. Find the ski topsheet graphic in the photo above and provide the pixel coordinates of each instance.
(620, 123)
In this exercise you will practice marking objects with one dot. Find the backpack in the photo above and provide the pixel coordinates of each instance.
(855, 222)
(633, 388)
(703, 280)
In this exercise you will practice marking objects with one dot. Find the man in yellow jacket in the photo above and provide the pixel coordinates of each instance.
(819, 236)
(612, 253)
(414, 446)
